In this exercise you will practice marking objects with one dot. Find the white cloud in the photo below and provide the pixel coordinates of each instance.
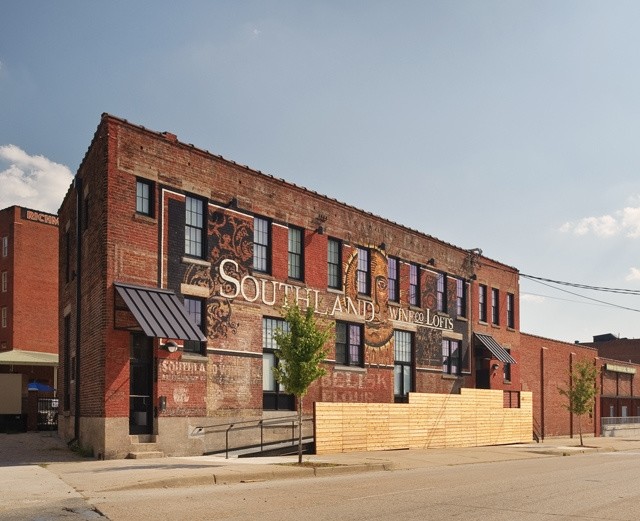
(625, 221)
(535, 299)
(631, 221)
(634, 274)
(604, 226)
(32, 181)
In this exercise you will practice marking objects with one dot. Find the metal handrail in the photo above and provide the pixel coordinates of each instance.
(619, 420)
(279, 422)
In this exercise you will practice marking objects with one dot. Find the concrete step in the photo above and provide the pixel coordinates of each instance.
(142, 450)
(148, 454)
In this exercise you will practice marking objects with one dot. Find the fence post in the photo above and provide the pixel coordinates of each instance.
(32, 411)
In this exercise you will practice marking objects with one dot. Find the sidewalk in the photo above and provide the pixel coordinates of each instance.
(45, 463)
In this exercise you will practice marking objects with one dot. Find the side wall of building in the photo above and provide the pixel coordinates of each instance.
(546, 367)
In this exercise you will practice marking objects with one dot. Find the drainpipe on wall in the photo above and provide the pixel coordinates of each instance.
(78, 183)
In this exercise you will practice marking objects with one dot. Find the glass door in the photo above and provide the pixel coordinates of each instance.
(141, 385)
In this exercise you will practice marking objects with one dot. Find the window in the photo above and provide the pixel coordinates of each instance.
(194, 227)
(451, 354)
(441, 292)
(414, 285)
(482, 302)
(144, 197)
(334, 261)
(348, 344)
(461, 298)
(274, 396)
(3, 282)
(261, 245)
(506, 368)
(364, 272)
(403, 354)
(3, 317)
(511, 316)
(5, 246)
(393, 287)
(195, 308)
(495, 306)
(296, 259)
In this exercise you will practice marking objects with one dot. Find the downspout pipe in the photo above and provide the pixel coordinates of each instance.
(78, 375)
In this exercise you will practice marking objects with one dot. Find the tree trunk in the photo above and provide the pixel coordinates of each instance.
(300, 430)
(580, 429)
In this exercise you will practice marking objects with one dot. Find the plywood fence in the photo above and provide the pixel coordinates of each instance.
(475, 417)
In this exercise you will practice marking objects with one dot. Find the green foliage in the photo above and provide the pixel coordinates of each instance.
(582, 390)
(300, 351)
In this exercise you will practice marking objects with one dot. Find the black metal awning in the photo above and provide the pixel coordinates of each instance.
(159, 312)
(496, 349)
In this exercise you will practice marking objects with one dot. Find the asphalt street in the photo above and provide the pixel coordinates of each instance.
(42, 480)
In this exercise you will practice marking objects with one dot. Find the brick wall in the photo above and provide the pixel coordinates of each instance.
(545, 368)
(32, 282)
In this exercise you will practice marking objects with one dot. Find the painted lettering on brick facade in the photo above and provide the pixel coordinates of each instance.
(179, 371)
(421, 318)
(40, 217)
(269, 292)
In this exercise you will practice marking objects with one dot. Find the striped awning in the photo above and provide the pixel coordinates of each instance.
(496, 349)
(159, 312)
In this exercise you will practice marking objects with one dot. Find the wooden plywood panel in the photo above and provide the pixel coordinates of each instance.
(474, 417)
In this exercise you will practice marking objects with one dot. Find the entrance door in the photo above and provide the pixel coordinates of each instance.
(141, 385)
(483, 380)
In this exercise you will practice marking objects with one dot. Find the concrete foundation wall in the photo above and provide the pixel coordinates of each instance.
(621, 431)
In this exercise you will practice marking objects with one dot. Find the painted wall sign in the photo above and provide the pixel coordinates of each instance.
(421, 318)
(269, 292)
(179, 371)
(620, 369)
(40, 217)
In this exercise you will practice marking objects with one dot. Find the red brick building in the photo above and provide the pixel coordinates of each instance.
(29, 295)
(620, 388)
(174, 265)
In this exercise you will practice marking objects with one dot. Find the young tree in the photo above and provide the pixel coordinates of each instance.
(300, 353)
(582, 391)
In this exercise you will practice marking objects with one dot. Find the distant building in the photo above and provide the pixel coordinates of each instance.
(174, 265)
(29, 295)
(611, 346)
(620, 387)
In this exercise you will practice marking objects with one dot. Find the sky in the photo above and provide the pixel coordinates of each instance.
(509, 126)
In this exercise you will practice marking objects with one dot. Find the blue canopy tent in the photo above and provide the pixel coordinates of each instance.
(38, 386)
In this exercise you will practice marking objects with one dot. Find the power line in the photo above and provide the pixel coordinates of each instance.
(544, 281)
(584, 286)
(573, 301)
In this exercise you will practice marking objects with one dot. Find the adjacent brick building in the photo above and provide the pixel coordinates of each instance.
(29, 295)
(150, 222)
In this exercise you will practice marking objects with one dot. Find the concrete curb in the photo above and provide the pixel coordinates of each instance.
(231, 476)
